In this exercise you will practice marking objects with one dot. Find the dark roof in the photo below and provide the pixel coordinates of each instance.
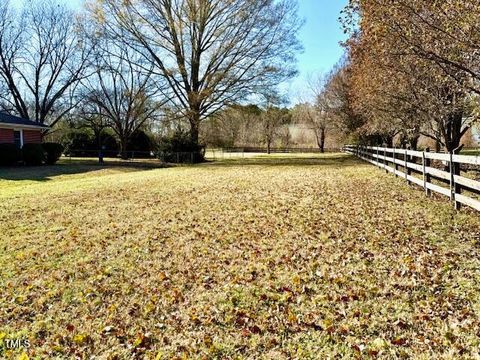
(15, 120)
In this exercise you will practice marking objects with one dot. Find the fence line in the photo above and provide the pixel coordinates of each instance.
(131, 155)
(403, 163)
(274, 150)
(95, 153)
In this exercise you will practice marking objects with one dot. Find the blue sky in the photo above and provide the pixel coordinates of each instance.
(320, 36)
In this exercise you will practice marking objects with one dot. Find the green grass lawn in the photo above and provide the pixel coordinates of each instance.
(270, 257)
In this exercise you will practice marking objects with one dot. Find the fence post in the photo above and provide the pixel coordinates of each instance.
(452, 178)
(377, 160)
(385, 159)
(395, 166)
(424, 172)
(457, 188)
(406, 166)
(410, 159)
(426, 169)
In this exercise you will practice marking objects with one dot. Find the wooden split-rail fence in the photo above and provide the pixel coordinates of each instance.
(417, 167)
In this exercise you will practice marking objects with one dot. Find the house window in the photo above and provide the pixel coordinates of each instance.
(18, 138)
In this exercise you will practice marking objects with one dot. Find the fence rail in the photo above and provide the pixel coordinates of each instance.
(95, 153)
(164, 156)
(408, 163)
(274, 150)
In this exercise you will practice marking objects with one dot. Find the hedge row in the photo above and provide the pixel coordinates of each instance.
(30, 154)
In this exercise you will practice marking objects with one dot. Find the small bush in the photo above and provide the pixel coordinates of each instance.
(53, 152)
(9, 154)
(33, 154)
(78, 143)
(141, 144)
(179, 148)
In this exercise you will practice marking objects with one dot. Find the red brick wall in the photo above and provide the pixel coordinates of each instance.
(32, 136)
(6, 136)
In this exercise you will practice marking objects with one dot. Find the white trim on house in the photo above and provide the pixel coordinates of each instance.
(18, 126)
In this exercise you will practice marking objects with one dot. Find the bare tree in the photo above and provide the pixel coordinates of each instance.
(210, 52)
(91, 117)
(43, 56)
(235, 125)
(315, 119)
(273, 120)
(121, 91)
(318, 109)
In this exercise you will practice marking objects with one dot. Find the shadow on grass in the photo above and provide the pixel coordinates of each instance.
(72, 167)
(83, 166)
(334, 160)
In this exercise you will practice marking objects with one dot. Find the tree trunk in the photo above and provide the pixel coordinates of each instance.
(123, 149)
(388, 140)
(194, 120)
(414, 142)
(454, 131)
(321, 144)
(268, 146)
(98, 135)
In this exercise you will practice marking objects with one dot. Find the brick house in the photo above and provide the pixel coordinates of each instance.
(18, 131)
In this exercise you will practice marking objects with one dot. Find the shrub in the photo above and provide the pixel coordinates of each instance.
(109, 142)
(9, 154)
(33, 154)
(179, 148)
(140, 141)
(82, 142)
(78, 143)
(53, 152)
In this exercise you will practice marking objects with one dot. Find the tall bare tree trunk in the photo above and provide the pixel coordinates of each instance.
(194, 120)
(322, 140)
(123, 148)
(320, 135)
(414, 142)
(454, 131)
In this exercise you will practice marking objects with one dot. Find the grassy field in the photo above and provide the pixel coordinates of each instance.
(277, 257)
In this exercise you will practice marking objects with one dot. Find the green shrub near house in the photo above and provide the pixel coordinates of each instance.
(33, 154)
(9, 154)
(53, 152)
